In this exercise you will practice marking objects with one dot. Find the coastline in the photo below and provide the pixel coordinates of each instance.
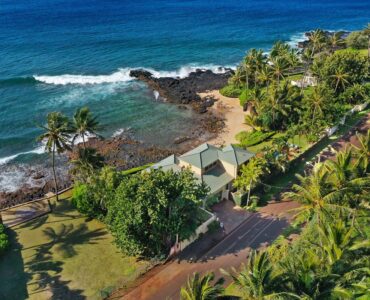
(233, 116)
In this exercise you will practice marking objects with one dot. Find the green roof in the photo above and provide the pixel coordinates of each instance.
(169, 163)
(201, 156)
(216, 178)
(235, 155)
(206, 154)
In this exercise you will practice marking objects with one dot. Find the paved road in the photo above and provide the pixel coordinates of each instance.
(256, 231)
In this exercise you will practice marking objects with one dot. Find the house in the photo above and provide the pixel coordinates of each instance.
(215, 167)
(305, 82)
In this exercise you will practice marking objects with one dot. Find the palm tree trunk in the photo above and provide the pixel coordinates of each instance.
(55, 175)
(83, 141)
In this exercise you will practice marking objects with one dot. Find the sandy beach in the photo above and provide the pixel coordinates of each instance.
(233, 114)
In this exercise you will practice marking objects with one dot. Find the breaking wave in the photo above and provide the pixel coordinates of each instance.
(123, 75)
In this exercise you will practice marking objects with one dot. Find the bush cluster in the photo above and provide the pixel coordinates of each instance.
(231, 91)
(247, 139)
(4, 241)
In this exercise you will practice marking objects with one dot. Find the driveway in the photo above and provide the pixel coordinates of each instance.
(230, 215)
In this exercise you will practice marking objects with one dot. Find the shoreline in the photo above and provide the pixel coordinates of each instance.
(233, 116)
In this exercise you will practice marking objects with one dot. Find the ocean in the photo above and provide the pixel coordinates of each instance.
(60, 55)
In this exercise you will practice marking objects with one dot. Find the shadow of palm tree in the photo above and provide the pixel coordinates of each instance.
(46, 269)
(35, 223)
(67, 237)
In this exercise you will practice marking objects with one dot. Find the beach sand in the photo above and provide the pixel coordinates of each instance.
(233, 114)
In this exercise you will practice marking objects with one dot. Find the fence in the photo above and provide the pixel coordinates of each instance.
(202, 229)
(27, 211)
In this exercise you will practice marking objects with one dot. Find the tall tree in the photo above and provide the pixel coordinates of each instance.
(256, 279)
(340, 78)
(202, 288)
(84, 123)
(57, 135)
(316, 39)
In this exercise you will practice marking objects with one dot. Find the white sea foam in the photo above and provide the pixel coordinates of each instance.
(156, 95)
(118, 132)
(38, 150)
(296, 38)
(123, 75)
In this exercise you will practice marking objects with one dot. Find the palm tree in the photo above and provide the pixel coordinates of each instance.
(239, 77)
(256, 279)
(201, 288)
(84, 123)
(250, 174)
(317, 101)
(87, 161)
(252, 121)
(335, 40)
(344, 178)
(340, 78)
(278, 68)
(301, 276)
(317, 39)
(339, 240)
(276, 105)
(57, 135)
(279, 49)
(264, 76)
(312, 192)
(363, 150)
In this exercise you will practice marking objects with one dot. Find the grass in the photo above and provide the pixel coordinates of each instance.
(63, 255)
(362, 52)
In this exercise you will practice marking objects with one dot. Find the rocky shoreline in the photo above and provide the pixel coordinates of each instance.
(125, 151)
(186, 90)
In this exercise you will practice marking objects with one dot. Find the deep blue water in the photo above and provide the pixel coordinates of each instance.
(104, 39)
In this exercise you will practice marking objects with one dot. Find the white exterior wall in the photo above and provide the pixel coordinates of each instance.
(203, 228)
(230, 169)
(196, 170)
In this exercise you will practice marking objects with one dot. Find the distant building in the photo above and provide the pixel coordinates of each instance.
(305, 82)
(215, 167)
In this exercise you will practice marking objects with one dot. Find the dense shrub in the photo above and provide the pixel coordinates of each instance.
(347, 62)
(357, 40)
(4, 242)
(252, 138)
(151, 208)
(231, 91)
(92, 199)
(244, 97)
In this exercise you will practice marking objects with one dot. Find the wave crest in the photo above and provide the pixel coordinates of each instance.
(123, 75)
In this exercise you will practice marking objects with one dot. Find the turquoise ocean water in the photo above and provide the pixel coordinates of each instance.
(60, 55)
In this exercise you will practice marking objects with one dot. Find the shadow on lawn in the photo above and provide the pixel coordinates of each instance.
(47, 269)
(13, 283)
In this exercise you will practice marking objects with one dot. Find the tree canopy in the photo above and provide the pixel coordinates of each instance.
(151, 208)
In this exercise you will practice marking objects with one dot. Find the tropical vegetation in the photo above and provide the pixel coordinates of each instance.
(4, 241)
(330, 258)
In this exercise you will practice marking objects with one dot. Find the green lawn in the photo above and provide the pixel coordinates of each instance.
(63, 255)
